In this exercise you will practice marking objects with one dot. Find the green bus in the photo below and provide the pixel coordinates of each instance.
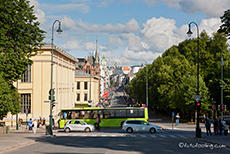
(110, 117)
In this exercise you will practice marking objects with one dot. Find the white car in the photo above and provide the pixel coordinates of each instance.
(78, 125)
(139, 126)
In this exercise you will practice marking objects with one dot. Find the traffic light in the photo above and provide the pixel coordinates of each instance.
(221, 107)
(218, 107)
(213, 107)
(198, 104)
(224, 107)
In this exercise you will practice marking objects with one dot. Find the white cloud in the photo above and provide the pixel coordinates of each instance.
(72, 45)
(147, 55)
(133, 41)
(131, 26)
(116, 40)
(160, 33)
(68, 23)
(212, 8)
(210, 25)
(38, 12)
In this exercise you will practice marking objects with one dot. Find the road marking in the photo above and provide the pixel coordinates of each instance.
(153, 135)
(133, 135)
(143, 135)
(162, 136)
(182, 136)
(173, 136)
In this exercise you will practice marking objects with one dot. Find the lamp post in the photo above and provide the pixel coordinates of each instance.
(198, 130)
(147, 99)
(90, 101)
(222, 99)
(51, 92)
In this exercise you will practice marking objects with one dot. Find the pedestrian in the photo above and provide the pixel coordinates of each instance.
(64, 115)
(177, 119)
(44, 121)
(35, 126)
(53, 121)
(220, 127)
(30, 123)
(226, 127)
(215, 124)
(208, 125)
(97, 124)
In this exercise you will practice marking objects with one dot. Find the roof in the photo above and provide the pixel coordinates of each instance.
(59, 50)
(83, 74)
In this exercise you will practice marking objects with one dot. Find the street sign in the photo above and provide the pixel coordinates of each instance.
(197, 97)
(126, 69)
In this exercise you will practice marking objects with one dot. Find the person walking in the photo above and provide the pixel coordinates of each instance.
(97, 124)
(30, 123)
(177, 119)
(208, 125)
(220, 127)
(35, 126)
(215, 124)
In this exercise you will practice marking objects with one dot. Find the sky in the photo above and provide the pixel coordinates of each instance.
(127, 31)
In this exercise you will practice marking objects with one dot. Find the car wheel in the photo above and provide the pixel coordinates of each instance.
(67, 130)
(152, 130)
(87, 129)
(129, 130)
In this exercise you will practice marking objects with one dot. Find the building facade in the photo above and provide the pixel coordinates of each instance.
(87, 86)
(36, 82)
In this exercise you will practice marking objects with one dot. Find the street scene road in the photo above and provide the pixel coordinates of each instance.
(180, 139)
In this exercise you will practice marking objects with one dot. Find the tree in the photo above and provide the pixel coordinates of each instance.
(20, 37)
(9, 99)
(225, 27)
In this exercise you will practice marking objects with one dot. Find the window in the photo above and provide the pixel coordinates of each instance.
(78, 85)
(120, 113)
(108, 114)
(25, 103)
(85, 85)
(26, 77)
(78, 97)
(85, 97)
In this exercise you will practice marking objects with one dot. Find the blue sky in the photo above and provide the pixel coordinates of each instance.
(131, 29)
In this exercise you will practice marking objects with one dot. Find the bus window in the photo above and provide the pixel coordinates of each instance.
(141, 113)
(120, 113)
(132, 113)
(108, 114)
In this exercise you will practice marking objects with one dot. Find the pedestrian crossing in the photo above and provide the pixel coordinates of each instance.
(125, 135)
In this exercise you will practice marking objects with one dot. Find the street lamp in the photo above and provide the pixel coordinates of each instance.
(198, 130)
(147, 103)
(51, 92)
(222, 100)
(90, 101)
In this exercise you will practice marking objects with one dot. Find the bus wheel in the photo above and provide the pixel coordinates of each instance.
(129, 130)
(67, 130)
(122, 124)
(152, 130)
(87, 129)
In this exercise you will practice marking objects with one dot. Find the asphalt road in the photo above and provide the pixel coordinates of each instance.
(116, 141)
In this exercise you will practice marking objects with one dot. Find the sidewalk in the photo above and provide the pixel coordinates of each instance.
(20, 138)
(166, 124)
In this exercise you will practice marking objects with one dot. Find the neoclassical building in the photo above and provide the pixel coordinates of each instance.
(35, 84)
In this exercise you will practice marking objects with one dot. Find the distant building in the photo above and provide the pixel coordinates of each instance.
(87, 86)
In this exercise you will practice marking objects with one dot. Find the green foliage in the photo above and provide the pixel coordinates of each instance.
(173, 76)
(9, 98)
(20, 37)
(225, 27)
(112, 83)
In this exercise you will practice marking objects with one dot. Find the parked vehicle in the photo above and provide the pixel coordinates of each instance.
(139, 126)
(78, 125)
